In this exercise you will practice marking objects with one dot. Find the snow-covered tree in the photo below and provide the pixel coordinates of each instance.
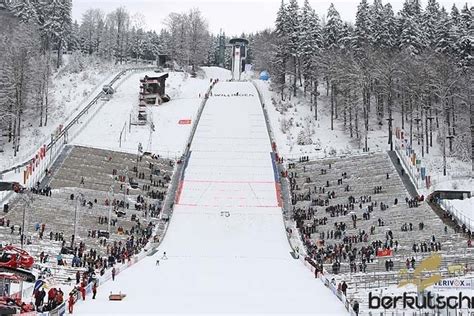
(281, 53)
(293, 35)
(444, 40)
(411, 35)
(332, 29)
(430, 21)
(61, 27)
(363, 30)
(464, 44)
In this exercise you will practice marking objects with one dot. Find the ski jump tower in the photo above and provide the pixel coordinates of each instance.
(239, 50)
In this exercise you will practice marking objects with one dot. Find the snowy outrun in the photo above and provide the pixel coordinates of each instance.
(219, 262)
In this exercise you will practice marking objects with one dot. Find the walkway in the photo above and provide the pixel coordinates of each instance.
(403, 176)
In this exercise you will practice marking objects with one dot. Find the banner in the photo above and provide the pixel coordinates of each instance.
(384, 253)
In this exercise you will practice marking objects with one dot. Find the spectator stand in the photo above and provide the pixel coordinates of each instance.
(363, 175)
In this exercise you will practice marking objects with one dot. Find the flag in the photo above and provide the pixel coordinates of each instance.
(38, 285)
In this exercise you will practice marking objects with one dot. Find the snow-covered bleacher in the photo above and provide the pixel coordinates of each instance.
(358, 177)
(84, 181)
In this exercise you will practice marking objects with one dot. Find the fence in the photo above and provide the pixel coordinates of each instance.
(458, 215)
(37, 165)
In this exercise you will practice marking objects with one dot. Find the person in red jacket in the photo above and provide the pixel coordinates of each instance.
(71, 303)
(83, 291)
(51, 296)
(59, 297)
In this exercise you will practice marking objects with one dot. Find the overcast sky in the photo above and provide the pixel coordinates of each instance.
(233, 16)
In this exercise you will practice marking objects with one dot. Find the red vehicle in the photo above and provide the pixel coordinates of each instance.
(17, 261)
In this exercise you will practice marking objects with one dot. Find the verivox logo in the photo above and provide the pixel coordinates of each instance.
(454, 284)
(429, 264)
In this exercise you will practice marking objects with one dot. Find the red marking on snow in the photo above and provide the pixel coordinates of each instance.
(184, 122)
(238, 206)
(278, 193)
(225, 181)
(178, 194)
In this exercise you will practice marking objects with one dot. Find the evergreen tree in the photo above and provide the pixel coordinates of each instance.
(61, 27)
(388, 39)
(466, 34)
(444, 40)
(430, 22)
(348, 39)
(376, 21)
(411, 35)
(332, 29)
(73, 42)
(293, 29)
(310, 46)
(281, 55)
(363, 31)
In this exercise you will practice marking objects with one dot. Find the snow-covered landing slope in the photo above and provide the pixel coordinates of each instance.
(168, 138)
(235, 262)
(217, 73)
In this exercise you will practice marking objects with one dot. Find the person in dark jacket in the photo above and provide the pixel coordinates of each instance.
(344, 287)
(355, 307)
(94, 290)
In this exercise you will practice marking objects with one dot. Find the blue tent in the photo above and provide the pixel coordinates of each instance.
(264, 75)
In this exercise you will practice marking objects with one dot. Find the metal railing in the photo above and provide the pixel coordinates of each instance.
(408, 166)
(458, 215)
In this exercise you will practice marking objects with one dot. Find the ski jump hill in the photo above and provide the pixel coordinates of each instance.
(226, 246)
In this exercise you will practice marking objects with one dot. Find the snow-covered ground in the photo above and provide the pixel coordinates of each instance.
(465, 208)
(297, 133)
(169, 136)
(226, 246)
(70, 91)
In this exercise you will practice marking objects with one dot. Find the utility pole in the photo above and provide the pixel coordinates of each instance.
(221, 49)
(390, 131)
(111, 194)
(425, 136)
